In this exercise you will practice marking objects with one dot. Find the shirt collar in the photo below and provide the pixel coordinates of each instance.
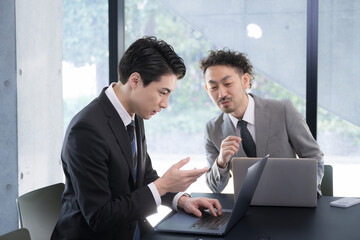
(249, 115)
(124, 115)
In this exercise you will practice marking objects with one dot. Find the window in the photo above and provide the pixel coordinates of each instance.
(338, 84)
(85, 53)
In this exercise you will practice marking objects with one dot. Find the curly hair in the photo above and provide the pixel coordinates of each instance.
(234, 59)
(151, 58)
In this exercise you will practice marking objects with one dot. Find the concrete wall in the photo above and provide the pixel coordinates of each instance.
(31, 100)
(8, 118)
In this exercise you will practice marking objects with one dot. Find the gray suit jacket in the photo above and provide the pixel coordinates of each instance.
(280, 130)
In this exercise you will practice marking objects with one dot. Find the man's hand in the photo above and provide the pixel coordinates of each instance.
(195, 205)
(176, 180)
(229, 146)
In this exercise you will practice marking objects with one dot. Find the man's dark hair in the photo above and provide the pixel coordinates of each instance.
(151, 58)
(234, 59)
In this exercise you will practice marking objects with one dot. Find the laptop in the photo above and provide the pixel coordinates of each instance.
(182, 222)
(285, 182)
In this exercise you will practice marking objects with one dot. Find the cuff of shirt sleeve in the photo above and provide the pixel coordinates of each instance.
(176, 200)
(155, 194)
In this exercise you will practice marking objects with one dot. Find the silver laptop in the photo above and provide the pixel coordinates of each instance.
(288, 182)
(181, 222)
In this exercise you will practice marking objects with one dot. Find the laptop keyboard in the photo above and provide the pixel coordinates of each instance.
(209, 222)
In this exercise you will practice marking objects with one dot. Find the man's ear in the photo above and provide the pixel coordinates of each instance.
(246, 80)
(206, 87)
(134, 80)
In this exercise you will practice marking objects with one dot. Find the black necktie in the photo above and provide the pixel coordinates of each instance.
(247, 141)
(130, 130)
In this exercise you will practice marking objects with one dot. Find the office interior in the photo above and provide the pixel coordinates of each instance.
(56, 56)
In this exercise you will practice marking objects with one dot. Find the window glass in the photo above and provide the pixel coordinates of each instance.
(85, 53)
(339, 101)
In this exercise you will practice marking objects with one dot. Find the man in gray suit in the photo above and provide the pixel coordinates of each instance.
(249, 125)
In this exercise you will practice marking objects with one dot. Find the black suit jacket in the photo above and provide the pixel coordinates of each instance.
(101, 200)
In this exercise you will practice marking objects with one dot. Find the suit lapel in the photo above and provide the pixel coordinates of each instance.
(227, 128)
(118, 128)
(121, 135)
(262, 124)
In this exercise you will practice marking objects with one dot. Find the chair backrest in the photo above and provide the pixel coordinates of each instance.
(327, 181)
(18, 234)
(39, 210)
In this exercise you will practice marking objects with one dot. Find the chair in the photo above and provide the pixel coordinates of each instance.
(18, 234)
(327, 181)
(39, 210)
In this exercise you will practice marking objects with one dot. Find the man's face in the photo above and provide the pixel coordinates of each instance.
(227, 89)
(154, 97)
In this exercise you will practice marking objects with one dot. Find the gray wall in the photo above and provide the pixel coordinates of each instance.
(8, 117)
(31, 100)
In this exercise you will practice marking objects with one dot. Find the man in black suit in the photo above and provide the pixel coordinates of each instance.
(110, 184)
